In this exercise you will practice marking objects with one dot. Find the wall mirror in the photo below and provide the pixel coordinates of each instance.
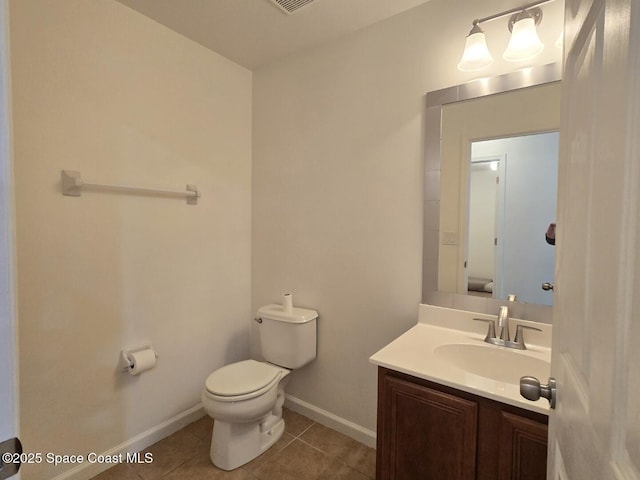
(491, 186)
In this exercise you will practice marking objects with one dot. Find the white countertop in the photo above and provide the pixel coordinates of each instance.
(413, 353)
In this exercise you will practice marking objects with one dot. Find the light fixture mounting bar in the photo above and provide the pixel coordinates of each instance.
(510, 11)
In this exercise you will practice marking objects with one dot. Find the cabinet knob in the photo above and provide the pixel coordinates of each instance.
(531, 389)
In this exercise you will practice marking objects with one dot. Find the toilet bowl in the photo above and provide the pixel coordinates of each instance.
(245, 398)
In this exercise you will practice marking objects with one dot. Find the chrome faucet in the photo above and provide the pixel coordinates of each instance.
(503, 319)
(503, 323)
(504, 339)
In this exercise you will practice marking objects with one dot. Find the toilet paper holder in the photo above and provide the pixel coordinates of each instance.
(125, 361)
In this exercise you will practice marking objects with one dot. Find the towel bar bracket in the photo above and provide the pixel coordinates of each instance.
(192, 199)
(71, 183)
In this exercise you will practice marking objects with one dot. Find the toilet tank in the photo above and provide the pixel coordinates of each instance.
(287, 339)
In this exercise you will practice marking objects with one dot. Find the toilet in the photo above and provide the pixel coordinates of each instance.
(245, 398)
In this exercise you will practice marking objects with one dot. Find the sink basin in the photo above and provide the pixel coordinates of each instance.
(496, 363)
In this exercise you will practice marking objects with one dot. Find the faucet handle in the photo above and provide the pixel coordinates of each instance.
(519, 338)
(491, 333)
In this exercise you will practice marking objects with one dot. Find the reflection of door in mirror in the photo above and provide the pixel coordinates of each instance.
(519, 113)
(512, 200)
(484, 189)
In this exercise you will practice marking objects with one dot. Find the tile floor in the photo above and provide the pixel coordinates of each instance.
(306, 451)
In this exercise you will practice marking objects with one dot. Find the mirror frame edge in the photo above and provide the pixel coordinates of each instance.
(435, 101)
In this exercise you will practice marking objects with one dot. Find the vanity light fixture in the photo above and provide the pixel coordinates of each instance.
(476, 54)
(523, 44)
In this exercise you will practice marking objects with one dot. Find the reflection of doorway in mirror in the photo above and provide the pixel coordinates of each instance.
(483, 204)
(523, 203)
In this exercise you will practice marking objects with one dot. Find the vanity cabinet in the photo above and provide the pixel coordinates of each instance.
(430, 431)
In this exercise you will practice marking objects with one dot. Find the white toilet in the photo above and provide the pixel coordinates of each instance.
(245, 398)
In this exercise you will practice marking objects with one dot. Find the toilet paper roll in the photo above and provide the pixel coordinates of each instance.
(141, 361)
(287, 302)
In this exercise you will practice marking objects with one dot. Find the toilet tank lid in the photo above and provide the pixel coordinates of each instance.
(274, 311)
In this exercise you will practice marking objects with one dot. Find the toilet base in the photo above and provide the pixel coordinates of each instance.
(235, 444)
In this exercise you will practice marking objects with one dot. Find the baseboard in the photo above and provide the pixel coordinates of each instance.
(86, 470)
(328, 419)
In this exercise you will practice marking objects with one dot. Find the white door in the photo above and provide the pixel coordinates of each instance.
(595, 429)
(8, 349)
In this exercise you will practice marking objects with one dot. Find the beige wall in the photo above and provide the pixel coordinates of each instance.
(101, 89)
(338, 151)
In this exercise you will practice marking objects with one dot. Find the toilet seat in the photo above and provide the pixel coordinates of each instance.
(242, 380)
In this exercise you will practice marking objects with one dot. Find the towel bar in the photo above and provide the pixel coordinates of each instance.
(72, 185)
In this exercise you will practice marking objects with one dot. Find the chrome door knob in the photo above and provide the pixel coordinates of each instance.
(547, 286)
(11, 453)
(531, 389)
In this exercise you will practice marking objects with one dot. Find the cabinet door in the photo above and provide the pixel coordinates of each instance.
(523, 448)
(425, 434)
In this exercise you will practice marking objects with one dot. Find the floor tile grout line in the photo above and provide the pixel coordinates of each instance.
(288, 443)
(327, 454)
(195, 454)
(315, 448)
(167, 473)
(275, 455)
(305, 430)
(333, 457)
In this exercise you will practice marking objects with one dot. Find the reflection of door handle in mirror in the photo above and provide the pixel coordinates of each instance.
(547, 286)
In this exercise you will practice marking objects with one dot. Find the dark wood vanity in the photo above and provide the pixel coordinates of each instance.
(427, 431)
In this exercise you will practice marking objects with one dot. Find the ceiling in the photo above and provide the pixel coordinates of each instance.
(257, 32)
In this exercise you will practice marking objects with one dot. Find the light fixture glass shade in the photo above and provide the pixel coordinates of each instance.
(476, 54)
(524, 42)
